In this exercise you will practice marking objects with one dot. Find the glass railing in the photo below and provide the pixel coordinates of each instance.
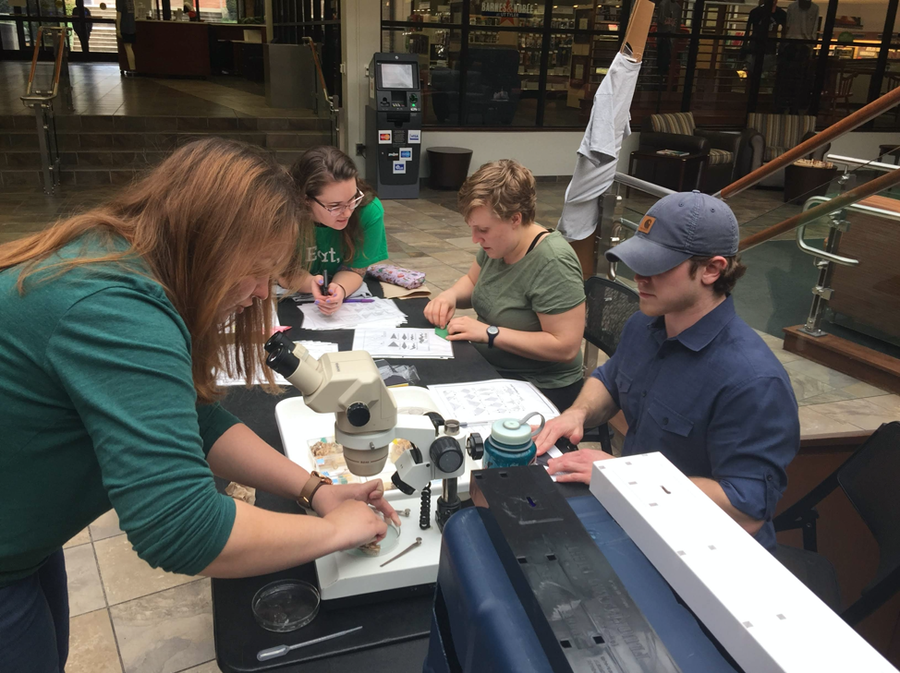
(859, 296)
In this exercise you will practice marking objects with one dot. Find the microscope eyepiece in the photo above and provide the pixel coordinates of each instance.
(278, 340)
(282, 360)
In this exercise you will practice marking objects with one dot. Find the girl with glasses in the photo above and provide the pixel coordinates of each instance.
(349, 226)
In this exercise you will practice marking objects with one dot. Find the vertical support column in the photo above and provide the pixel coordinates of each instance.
(47, 160)
(360, 38)
(822, 291)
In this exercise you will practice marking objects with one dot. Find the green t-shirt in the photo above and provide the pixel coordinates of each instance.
(327, 254)
(98, 410)
(548, 281)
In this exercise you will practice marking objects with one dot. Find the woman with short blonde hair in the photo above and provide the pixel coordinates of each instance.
(525, 286)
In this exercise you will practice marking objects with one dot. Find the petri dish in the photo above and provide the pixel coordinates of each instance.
(285, 605)
(388, 544)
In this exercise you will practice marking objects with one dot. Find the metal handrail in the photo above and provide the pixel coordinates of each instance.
(879, 184)
(644, 186)
(321, 74)
(30, 97)
(858, 208)
(628, 224)
(858, 118)
(852, 161)
(41, 103)
(822, 254)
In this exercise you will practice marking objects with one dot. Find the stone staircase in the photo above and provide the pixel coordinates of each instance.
(113, 150)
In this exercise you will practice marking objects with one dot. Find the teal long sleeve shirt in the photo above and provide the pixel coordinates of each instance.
(98, 410)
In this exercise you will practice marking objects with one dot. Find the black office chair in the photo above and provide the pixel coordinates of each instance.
(869, 478)
(609, 305)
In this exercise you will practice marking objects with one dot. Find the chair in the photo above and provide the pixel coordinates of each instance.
(608, 305)
(869, 479)
(838, 89)
(731, 155)
(781, 132)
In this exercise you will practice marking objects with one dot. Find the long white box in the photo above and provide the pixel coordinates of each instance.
(758, 610)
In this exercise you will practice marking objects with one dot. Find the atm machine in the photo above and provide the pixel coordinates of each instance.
(394, 126)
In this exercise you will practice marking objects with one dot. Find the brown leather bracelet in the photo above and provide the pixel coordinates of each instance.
(313, 484)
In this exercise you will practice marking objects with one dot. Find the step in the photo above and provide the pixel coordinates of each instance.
(865, 364)
(159, 142)
(112, 149)
(166, 124)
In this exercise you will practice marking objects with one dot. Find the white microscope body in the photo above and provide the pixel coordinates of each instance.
(349, 385)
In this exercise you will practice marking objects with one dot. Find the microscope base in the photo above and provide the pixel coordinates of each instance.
(342, 575)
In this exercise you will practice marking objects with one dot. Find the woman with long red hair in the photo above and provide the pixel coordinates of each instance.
(112, 330)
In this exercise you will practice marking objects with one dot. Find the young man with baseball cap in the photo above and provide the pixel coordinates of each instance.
(693, 380)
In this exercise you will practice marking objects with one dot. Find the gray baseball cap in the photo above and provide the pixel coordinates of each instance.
(678, 227)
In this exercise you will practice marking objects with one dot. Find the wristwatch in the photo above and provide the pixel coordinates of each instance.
(313, 484)
(492, 333)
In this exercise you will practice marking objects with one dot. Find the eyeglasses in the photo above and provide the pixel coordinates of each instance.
(341, 207)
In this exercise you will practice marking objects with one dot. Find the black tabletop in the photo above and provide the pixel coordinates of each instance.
(394, 634)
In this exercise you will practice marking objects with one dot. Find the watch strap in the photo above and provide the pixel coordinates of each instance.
(313, 484)
(492, 333)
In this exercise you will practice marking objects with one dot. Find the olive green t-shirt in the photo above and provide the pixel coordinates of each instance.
(547, 281)
(327, 255)
(98, 410)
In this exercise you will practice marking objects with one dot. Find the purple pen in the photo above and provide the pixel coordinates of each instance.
(359, 300)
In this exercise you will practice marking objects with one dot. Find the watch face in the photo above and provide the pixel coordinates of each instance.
(493, 330)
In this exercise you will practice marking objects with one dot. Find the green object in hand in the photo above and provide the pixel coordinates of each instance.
(441, 332)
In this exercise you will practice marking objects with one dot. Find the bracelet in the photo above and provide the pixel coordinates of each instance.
(343, 288)
(313, 484)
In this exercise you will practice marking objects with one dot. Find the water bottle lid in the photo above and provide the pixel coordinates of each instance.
(513, 432)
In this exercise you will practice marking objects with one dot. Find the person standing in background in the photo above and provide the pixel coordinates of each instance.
(82, 28)
(763, 24)
(668, 20)
(792, 83)
(126, 29)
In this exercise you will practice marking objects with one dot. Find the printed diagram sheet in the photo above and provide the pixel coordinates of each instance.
(478, 404)
(381, 313)
(404, 342)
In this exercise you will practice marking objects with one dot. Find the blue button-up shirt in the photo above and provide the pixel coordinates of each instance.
(714, 400)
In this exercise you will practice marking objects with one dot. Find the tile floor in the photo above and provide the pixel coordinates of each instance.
(130, 618)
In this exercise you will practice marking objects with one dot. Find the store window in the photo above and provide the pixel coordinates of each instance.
(891, 78)
(438, 49)
(498, 63)
(852, 59)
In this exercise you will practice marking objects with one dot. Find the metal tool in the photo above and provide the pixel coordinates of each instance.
(281, 650)
(408, 549)
(400, 512)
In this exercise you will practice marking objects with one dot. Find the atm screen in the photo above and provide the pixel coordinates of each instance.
(397, 75)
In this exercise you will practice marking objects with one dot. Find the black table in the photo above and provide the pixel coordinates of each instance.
(395, 634)
(697, 161)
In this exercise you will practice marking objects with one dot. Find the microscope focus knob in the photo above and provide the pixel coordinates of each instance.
(446, 454)
(358, 414)
(475, 446)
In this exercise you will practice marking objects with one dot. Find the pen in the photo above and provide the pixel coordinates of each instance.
(325, 282)
(358, 300)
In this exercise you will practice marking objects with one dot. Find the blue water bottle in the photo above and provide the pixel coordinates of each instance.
(511, 442)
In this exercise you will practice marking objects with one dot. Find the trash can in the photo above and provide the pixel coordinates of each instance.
(449, 167)
(802, 182)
